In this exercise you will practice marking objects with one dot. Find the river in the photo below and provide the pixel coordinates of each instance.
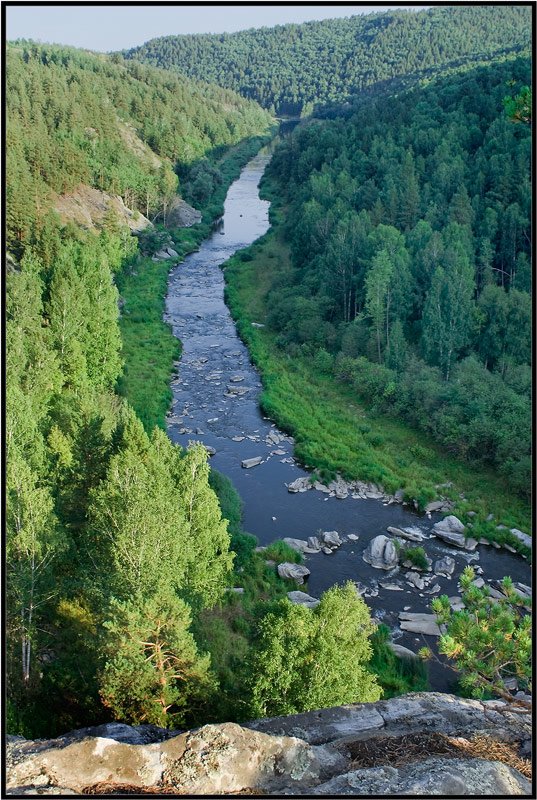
(214, 364)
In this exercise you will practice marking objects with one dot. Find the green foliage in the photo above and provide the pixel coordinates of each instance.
(490, 640)
(77, 117)
(104, 517)
(417, 556)
(409, 237)
(518, 108)
(154, 674)
(301, 400)
(292, 67)
(396, 675)
(306, 659)
(279, 551)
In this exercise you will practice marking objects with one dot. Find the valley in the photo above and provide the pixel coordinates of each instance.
(268, 341)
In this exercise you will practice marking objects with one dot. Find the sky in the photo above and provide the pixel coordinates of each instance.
(120, 26)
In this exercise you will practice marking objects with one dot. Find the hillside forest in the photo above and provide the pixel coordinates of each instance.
(292, 69)
(409, 229)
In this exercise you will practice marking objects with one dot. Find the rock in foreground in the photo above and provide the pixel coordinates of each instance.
(311, 754)
(442, 777)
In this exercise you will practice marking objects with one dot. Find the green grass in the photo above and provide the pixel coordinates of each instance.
(334, 431)
(396, 675)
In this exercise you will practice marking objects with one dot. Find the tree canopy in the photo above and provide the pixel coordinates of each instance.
(292, 68)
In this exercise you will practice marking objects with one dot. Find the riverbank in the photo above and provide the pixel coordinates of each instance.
(150, 350)
(336, 434)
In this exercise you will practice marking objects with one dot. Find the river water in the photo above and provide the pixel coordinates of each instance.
(214, 365)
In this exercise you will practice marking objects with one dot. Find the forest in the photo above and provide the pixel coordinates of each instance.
(292, 69)
(115, 537)
(68, 112)
(409, 228)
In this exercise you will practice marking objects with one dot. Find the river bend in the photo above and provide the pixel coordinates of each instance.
(215, 401)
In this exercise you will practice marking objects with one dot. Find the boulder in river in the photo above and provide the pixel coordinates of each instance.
(299, 485)
(301, 546)
(331, 538)
(415, 579)
(450, 537)
(314, 543)
(381, 553)
(406, 533)
(247, 463)
(295, 572)
(450, 523)
(392, 586)
(445, 566)
(303, 599)
(419, 623)
(320, 487)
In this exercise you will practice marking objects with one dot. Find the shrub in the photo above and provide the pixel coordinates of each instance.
(280, 551)
(417, 556)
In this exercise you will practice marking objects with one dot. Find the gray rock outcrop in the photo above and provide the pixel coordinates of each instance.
(381, 553)
(303, 599)
(181, 215)
(307, 754)
(442, 777)
(299, 485)
(419, 623)
(451, 530)
(405, 533)
(523, 538)
(248, 463)
(300, 545)
(444, 566)
(331, 538)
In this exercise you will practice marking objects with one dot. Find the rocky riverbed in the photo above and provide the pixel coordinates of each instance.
(215, 401)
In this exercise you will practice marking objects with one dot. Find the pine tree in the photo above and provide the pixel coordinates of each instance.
(153, 672)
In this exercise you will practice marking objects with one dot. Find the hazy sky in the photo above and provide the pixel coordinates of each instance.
(122, 25)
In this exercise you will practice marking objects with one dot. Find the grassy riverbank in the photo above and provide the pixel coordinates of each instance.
(334, 431)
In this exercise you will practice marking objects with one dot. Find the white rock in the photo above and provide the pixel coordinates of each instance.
(247, 463)
(296, 572)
